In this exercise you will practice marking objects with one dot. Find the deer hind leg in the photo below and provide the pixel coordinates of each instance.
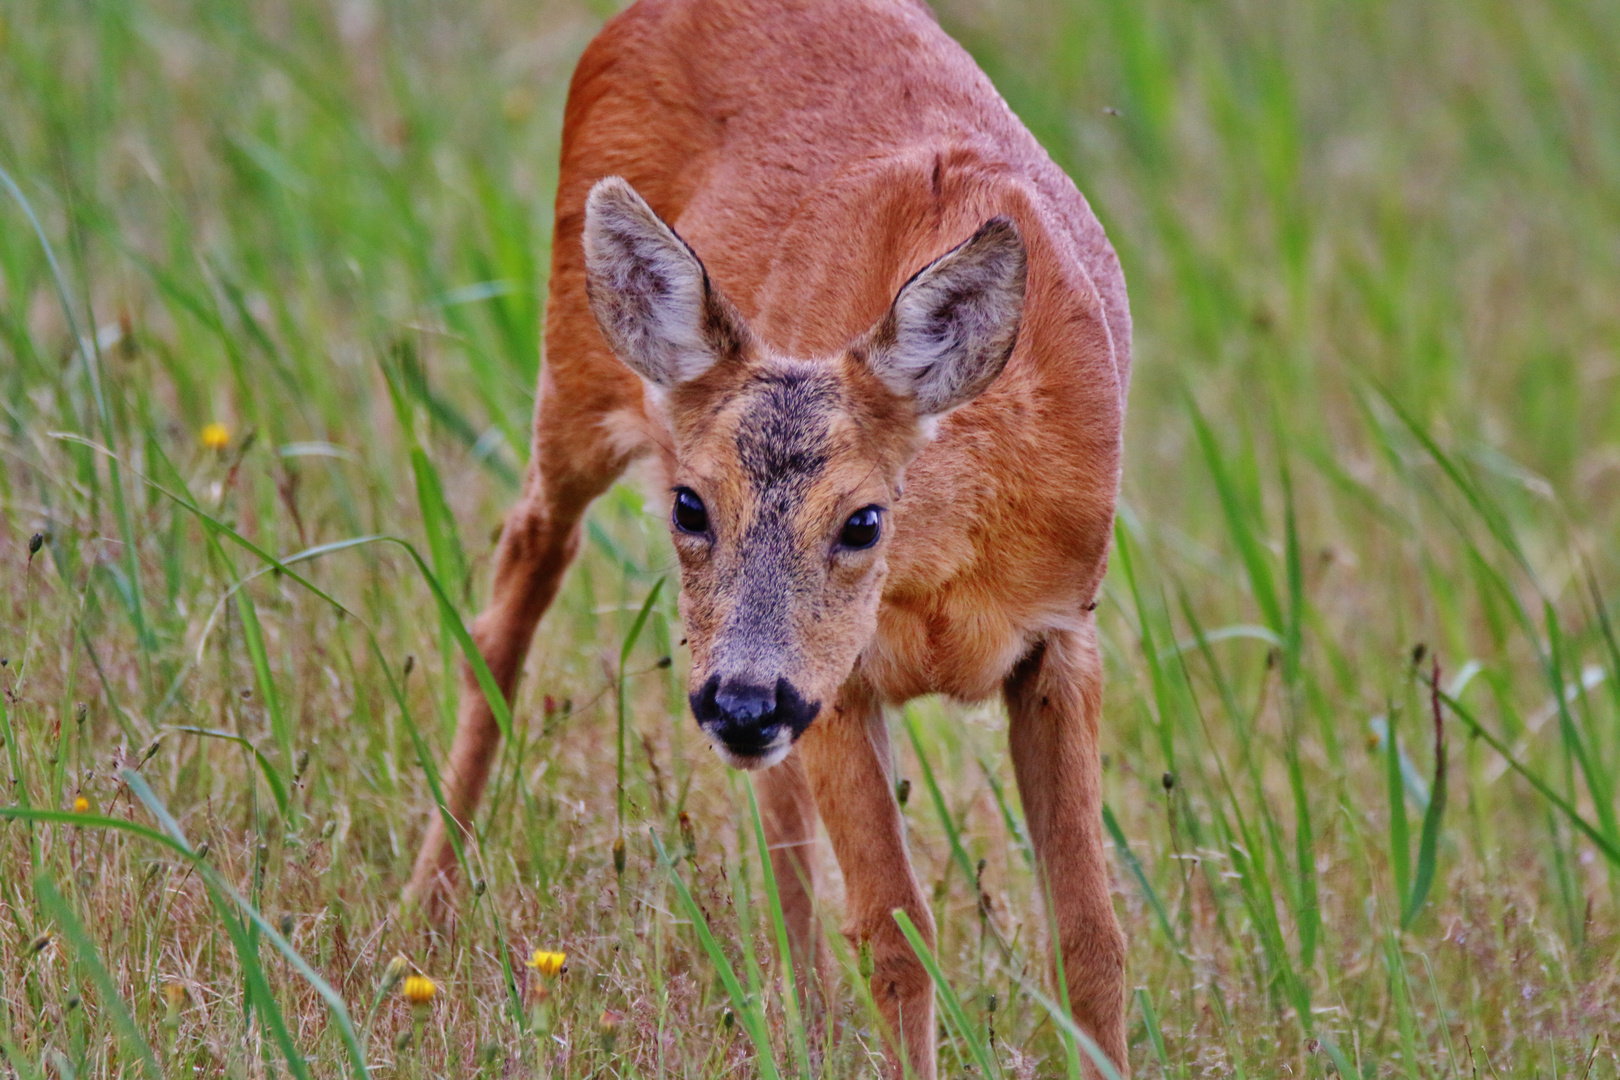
(846, 757)
(1054, 702)
(787, 809)
(575, 458)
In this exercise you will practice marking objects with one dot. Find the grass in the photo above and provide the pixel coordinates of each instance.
(1363, 675)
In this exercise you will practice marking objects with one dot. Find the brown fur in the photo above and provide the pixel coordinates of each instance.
(815, 156)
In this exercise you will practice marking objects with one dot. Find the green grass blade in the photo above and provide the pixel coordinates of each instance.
(1134, 865)
(280, 730)
(1155, 1032)
(1497, 524)
(92, 355)
(748, 1010)
(1400, 848)
(242, 940)
(624, 659)
(1065, 1023)
(790, 990)
(1015, 827)
(1598, 781)
(449, 563)
(1308, 915)
(334, 1002)
(1599, 840)
(469, 650)
(84, 951)
(959, 854)
(272, 778)
(1429, 838)
(1256, 560)
(950, 1004)
(1163, 698)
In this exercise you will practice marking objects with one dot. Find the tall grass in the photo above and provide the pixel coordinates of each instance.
(1359, 628)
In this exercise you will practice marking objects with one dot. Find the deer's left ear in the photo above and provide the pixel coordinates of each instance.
(652, 299)
(953, 326)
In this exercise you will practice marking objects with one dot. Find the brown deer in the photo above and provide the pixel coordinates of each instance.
(809, 262)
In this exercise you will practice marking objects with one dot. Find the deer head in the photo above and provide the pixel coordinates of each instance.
(785, 468)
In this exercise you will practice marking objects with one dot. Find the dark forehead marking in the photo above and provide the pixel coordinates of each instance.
(782, 444)
(783, 430)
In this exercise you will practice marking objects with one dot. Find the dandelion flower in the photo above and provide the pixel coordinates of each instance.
(419, 990)
(549, 963)
(215, 436)
(81, 805)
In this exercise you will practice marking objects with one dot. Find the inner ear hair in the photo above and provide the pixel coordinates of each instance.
(953, 326)
(652, 298)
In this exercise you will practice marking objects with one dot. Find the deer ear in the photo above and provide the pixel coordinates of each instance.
(953, 326)
(652, 299)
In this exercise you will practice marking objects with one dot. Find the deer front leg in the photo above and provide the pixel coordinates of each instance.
(846, 756)
(1054, 704)
(536, 546)
(574, 460)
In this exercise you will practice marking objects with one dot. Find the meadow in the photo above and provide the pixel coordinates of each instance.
(270, 305)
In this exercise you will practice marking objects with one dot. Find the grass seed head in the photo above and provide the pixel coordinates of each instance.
(688, 834)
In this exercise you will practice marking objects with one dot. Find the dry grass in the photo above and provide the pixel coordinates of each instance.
(1372, 261)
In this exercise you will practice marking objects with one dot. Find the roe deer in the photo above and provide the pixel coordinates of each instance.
(808, 261)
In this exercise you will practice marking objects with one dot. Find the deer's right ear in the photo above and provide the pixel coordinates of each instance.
(649, 292)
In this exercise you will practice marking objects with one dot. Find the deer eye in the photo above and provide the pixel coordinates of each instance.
(690, 515)
(863, 528)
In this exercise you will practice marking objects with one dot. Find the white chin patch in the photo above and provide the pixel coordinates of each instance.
(775, 753)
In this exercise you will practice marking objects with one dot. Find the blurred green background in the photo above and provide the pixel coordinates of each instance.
(1373, 252)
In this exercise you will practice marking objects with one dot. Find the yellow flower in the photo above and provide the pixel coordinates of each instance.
(215, 436)
(81, 805)
(419, 990)
(549, 963)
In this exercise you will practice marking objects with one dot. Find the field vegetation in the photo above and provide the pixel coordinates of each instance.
(270, 305)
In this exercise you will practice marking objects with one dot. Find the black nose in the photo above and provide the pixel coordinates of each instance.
(750, 718)
(741, 702)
